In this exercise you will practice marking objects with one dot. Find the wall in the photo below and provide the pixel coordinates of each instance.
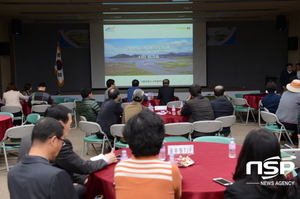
(36, 53)
(294, 31)
(260, 51)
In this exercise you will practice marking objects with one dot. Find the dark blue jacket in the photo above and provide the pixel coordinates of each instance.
(271, 102)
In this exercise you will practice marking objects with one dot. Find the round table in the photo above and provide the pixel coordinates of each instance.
(253, 99)
(5, 123)
(169, 118)
(211, 161)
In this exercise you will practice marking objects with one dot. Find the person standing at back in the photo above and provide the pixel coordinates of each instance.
(287, 76)
(165, 93)
(88, 108)
(40, 96)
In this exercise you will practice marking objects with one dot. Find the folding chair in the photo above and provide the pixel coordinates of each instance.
(239, 107)
(260, 109)
(214, 139)
(14, 109)
(8, 114)
(227, 121)
(175, 103)
(208, 126)
(59, 100)
(90, 128)
(14, 132)
(271, 118)
(178, 129)
(117, 131)
(40, 109)
(82, 118)
(123, 105)
(72, 107)
(32, 118)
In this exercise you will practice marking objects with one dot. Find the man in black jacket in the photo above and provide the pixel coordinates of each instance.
(221, 107)
(165, 93)
(67, 159)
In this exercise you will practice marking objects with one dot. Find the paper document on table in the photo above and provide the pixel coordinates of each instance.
(97, 157)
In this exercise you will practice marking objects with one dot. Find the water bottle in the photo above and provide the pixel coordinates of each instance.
(124, 155)
(171, 158)
(162, 153)
(181, 104)
(232, 147)
(173, 110)
(150, 107)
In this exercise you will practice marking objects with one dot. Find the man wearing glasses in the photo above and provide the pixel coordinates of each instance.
(34, 176)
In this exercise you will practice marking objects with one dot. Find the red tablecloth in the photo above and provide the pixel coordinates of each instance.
(154, 102)
(5, 123)
(253, 99)
(211, 161)
(26, 108)
(169, 118)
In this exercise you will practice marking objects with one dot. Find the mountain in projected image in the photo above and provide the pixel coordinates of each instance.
(162, 55)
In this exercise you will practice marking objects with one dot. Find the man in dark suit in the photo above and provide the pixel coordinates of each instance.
(165, 93)
(110, 113)
(221, 107)
(34, 176)
(287, 76)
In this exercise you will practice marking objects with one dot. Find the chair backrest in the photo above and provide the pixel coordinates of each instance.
(269, 117)
(69, 105)
(71, 100)
(59, 100)
(123, 105)
(207, 126)
(33, 118)
(11, 109)
(294, 152)
(8, 114)
(38, 102)
(227, 121)
(180, 128)
(239, 101)
(82, 118)
(39, 108)
(90, 127)
(18, 131)
(175, 103)
(117, 130)
(239, 95)
(214, 139)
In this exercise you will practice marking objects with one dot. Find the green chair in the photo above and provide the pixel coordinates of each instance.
(90, 128)
(175, 130)
(8, 114)
(239, 107)
(71, 100)
(239, 95)
(117, 131)
(59, 100)
(214, 139)
(32, 118)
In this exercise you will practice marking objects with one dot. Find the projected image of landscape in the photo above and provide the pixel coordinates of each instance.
(149, 53)
(157, 56)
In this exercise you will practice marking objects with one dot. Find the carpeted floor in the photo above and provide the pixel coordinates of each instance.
(239, 133)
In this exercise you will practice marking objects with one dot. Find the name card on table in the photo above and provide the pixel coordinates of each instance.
(181, 149)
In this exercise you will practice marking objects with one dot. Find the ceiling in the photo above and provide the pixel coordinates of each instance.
(135, 11)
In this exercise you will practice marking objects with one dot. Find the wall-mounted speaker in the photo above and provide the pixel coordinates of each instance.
(293, 43)
(16, 26)
(280, 22)
(4, 48)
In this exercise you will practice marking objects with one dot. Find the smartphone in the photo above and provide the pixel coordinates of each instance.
(222, 181)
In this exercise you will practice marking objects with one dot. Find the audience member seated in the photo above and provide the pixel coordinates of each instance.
(165, 93)
(110, 83)
(110, 113)
(136, 106)
(222, 107)
(88, 108)
(287, 76)
(271, 101)
(297, 71)
(259, 145)
(198, 108)
(40, 96)
(67, 159)
(12, 97)
(289, 108)
(34, 176)
(27, 90)
(135, 85)
(144, 175)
